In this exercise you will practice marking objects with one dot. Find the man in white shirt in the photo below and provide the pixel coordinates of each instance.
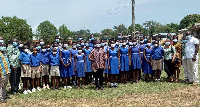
(192, 48)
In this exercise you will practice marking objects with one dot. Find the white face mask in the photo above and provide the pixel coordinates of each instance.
(43, 50)
(66, 45)
(54, 53)
(79, 51)
(142, 41)
(156, 45)
(82, 44)
(134, 43)
(41, 43)
(74, 46)
(112, 45)
(117, 43)
(56, 47)
(98, 45)
(20, 45)
(26, 50)
(124, 44)
(148, 44)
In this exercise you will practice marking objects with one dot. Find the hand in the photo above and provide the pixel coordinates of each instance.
(129, 63)
(65, 66)
(149, 62)
(74, 70)
(194, 58)
(141, 62)
(105, 68)
(119, 66)
(172, 60)
(109, 67)
(85, 69)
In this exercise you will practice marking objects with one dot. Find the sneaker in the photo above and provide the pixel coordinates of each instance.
(20, 87)
(28, 91)
(64, 88)
(44, 87)
(38, 88)
(47, 86)
(25, 92)
(33, 90)
(69, 87)
(158, 79)
(3, 101)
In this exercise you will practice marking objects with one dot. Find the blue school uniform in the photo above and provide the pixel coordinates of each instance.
(135, 58)
(35, 60)
(54, 60)
(73, 52)
(114, 62)
(88, 62)
(105, 71)
(25, 58)
(124, 59)
(65, 72)
(157, 53)
(80, 65)
(147, 66)
(142, 47)
(91, 45)
(44, 57)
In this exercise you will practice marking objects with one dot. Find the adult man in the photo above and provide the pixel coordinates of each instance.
(192, 48)
(13, 56)
(98, 58)
(4, 72)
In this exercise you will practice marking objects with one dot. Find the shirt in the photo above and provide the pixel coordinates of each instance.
(169, 52)
(190, 48)
(183, 51)
(157, 53)
(25, 58)
(54, 60)
(4, 65)
(44, 57)
(98, 58)
(13, 54)
(35, 60)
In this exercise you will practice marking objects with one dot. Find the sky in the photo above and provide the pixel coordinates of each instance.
(97, 15)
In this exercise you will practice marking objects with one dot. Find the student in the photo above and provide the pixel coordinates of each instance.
(38, 47)
(124, 61)
(130, 44)
(54, 70)
(80, 66)
(25, 59)
(147, 68)
(183, 54)
(135, 60)
(142, 47)
(113, 64)
(105, 48)
(44, 58)
(178, 58)
(35, 69)
(157, 54)
(65, 57)
(73, 52)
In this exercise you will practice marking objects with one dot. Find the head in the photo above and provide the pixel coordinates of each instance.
(98, 44)
(2, 47)
(35, 50)
(149, 42)
(184, 39)
(41, 41)
(54, 51)
(79, 38)
(25, 48)
(57, 38)
(141, 40)
(175, 39)
(48, 47)
(65, 44)
(156, 43)
(167, 42)
(112, 44)
(14, 42)
(38, 46)
(188, 34)
(168, 36)
(134, 42)
(79, 50)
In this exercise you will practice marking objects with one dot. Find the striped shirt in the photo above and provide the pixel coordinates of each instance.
(4, 65)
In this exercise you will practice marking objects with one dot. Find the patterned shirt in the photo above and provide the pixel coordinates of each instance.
(98, 59)
(13, 54)
(168, 52)
(4, 65)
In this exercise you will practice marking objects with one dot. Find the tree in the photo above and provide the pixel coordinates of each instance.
(189, 20)
(13, 27)
(108, 33)
(84, 33)
(138, 28)
(64, 32)
(47, 31)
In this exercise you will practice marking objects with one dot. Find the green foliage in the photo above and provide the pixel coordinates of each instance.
(189, 20)
(64, 32)
(47, 31)
(84, 33)
(13, 27)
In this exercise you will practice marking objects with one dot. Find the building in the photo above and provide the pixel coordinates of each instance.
(195, 29)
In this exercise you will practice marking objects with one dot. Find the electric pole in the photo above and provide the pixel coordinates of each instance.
(133, 18)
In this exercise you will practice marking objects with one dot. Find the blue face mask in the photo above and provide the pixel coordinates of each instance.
(3, 49)
(102, 44)
(145, 40)
(79, 38)
(167, 43)
(184, 41)
(189, 36)
(57, 40)
(15, 43)
(119, 37)
(175, 40)
(78, 45)
(38, 47)
(86, 44)
(92, 38)
(1, 40)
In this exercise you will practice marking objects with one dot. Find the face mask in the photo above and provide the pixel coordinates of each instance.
(82, 44)
(1, 40)
(79, 51)
(34, 52)
(92, 38)
(54, 53)
(153, 40)
(41, 43)
(57, 40)
(3, 48)
(189, 36)
(156, 45)
(15, 43)
(102, 44)
(86, 44)
(56, 47)
(38, 47)
(98, 45)
(79, 38)
(134, 43)
(112, 45)
(130, 43)
(145, 40)
(48, 49)
(66, 45)
(175, 40)
(43, 50)
(184, 41)
(117, 43)
(142, 41)
(120, 44)
(148, 44)
(78, 45)
(20, 45)
(167, 43)
(119, 37)
(26, 50)
(124, 44)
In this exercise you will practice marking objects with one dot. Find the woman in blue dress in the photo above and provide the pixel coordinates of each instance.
(142, 47)
(124, 60)
(135, 60)
(105, 47)
(113, 64)
(65, 72)
(88, 72)
(79, 65)
(73, 52)
(147, 61)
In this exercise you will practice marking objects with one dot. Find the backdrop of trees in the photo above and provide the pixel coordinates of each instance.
(19, 28)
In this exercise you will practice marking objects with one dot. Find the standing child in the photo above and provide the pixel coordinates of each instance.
(54, 71)
(73, 52)
(35, 69)
(142, 47)
(79, 65)
(25, 59)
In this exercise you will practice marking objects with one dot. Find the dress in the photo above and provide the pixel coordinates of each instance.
(80, 65)
(178, 48)
(88, 62)
(124, 59)
(142, 47)
(114, 62)
(73, 52)
(65, 72)
(147, 66)
(135, 58)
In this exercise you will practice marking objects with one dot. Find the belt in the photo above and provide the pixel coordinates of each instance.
(80, 61)
(113, 57)
(135, 53)
(148, 56)
(141, 52)
(124, 54)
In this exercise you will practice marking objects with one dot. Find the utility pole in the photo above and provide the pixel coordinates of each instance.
(133, 18)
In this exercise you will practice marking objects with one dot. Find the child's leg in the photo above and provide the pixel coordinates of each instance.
(68, 81)
(111, 80)
(38, 82)
(83, 81)
(137, 74)
(78, 81)
(53, 81)
(125, 77)
(65, 81)
(159, 74)
(116, 78)
(27, 83)
(122, 76)
(57, 81)
(33, 82)
(178, 72)
(134, 76)
(155, 74)
(174, 72)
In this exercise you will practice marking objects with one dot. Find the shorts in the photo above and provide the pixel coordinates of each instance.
(35, 72)
(157, 64)
(55, 71)
(27, 69)
(45, 69)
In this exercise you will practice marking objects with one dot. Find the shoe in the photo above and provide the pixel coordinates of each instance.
(33, 90)
(96, 88)
(69, 87)
(53, 88)
(102, 88)
(3, 101)
(38, 88)
(64, 88)
(44, 87)
(195, 83)
(25, 92)
(20, 87)
(48, 87)
(28, 91)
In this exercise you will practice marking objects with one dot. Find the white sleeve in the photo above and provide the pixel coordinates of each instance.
(196, 41)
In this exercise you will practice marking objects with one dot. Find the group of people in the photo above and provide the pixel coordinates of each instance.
(122, 60)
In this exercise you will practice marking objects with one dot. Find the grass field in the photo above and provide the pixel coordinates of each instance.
(139, 94)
